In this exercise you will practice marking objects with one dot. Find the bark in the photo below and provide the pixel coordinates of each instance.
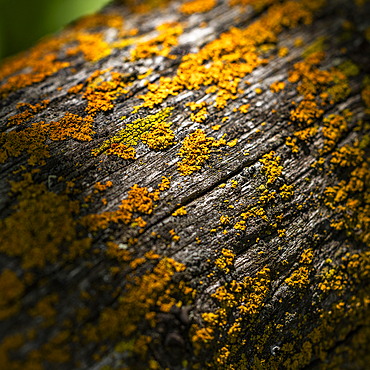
(296, 324)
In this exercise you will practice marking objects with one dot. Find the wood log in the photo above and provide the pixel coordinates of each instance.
(186, 186)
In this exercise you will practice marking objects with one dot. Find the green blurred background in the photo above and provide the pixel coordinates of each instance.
(23, 22)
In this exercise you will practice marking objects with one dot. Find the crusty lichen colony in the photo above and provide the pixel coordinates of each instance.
(180, 199)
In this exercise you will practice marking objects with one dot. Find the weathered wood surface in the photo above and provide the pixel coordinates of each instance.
(295, 325)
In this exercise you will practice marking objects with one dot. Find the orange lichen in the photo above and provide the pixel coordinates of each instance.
(42, 59)
(180, 212)
(121, 150)
(271, 167)
(230, 57)
(165, 184)
(197, 6)
(160, 45)
(71, 126)
(11, 292)
(100, 96)
(92, 46)
(28, 113)
(195, 150)
(45, 223)
(277, 86)
(138, 200)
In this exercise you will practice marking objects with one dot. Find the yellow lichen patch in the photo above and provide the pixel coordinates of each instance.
(197, 6)
(277, 86)
(299, 279)
(232, 143)
(292, 143)
(286, 191)
(225, 260)
(159, 136)
(132, 133)
(11, 292)
(252, 212)
(271, 167)
(195, 150)
(165, 184)
(28, 113)
(283, 52)
(71, 126)
(180, 212)
(160, 45)
(349, 198)
(348, 155)
(45, 309)
(121, 150)
(45, 223)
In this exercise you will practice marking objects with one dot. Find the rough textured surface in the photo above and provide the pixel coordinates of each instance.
(138, 233)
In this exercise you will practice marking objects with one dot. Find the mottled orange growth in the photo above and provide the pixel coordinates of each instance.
(141, 300)
(348, 155)
(92, 46)
(201, 115)
(159, 136)
(160, 45)
(100, 96)
(277, 86)
(299, 278)
(45, 309)
(197, 6)
(11, 292)
(195, 150)
(31, 139)
(244, 108)
(230, 57)
(101, 187)
(239, 305)
(45, 227)
(306, 133)
(307, 112)
(28, 113)
(286, 191)
(180, 212)
(349, 198)
(71, 126)
(175, 237)
(76, 89)
(165, 184)
(271, 167)
(121, 150)
(138, 200)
